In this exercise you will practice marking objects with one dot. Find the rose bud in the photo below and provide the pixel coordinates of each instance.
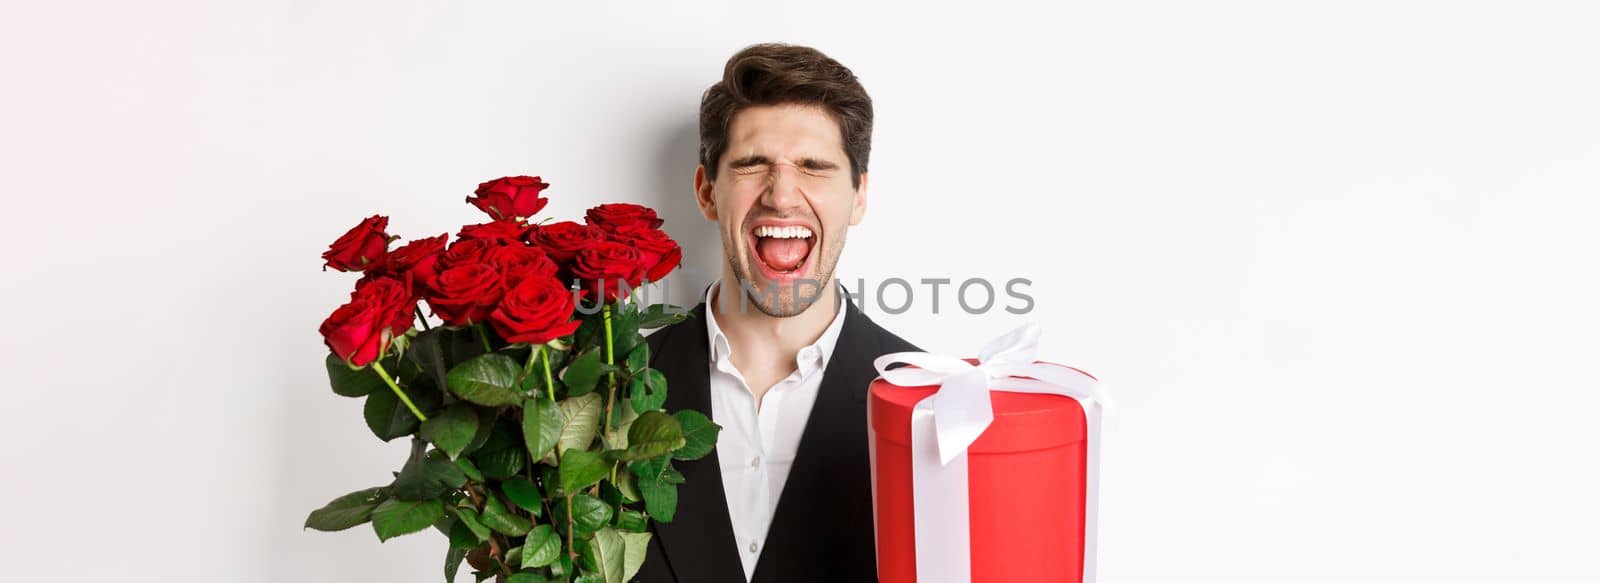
(612, 215)
(465, 294)
(511, 197)
(360, 331)
(659, 253)
(361, 248)
(515, 262)
(417, 260)
(605, 266)
(562, 241)
(502, 232)
(538, 310)
(465, 252)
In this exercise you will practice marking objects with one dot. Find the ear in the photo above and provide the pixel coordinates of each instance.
(858, 207)
(705, 193)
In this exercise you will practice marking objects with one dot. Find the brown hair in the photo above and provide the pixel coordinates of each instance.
(777, 73)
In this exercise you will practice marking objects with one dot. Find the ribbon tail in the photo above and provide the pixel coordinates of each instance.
(1091, 493)
(939, 505)
(872, 475)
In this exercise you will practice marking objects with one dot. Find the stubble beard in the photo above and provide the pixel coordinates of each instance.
(784, 303)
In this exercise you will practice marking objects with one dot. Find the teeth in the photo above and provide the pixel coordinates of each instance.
(795, 232)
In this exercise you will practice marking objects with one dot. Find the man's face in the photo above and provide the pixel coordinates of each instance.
(783, 200)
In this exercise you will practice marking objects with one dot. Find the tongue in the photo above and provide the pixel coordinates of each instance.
(781, 254)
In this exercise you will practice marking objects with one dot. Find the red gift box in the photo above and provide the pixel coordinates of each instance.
(1027, 480)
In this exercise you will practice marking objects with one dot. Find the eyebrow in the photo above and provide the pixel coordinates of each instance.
(759, 160)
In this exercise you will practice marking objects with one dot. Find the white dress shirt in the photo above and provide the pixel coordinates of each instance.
(756, 447)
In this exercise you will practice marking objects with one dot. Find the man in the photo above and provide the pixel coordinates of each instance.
(777, 354)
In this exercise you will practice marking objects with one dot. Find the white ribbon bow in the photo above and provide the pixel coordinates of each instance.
(944, 425)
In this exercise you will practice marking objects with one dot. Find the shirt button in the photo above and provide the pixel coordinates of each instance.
(752, 546)
(755, 462)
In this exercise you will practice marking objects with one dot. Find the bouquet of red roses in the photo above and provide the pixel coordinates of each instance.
(538, 442)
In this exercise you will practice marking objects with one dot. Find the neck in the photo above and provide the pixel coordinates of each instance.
(754, 335)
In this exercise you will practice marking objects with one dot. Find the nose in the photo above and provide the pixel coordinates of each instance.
(783, 191)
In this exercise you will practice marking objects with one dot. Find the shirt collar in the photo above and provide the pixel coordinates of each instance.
(815, 354)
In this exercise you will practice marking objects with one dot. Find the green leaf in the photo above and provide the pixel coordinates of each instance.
(581, 420)
(502, 455)
(625, 329)
(468, 519)
(387, 417)
(541, 548)
(501, 463)
(603, 554)
(486, 425)
(658, 315)
(581, 468)
(469, 469)
(588, 514)
(633, 521)
(653, 434)
(617, 436)
(651, 468)
(462, 537)
(428, 351)
(699, 434)
(634, 547)
(628, 485)
(671, 475)
(428, 477)
(647, 391)
(352, 383)
(527, 577)
(348, 510)
(582, 373)
(396, 517)
(523, 493)
(542, 423)
(452, 563)
(639, 359)
(496, 516)
(452, 430)
(489, 380)
(660, 497)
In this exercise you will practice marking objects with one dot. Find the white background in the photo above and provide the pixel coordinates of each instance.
(1336, 259)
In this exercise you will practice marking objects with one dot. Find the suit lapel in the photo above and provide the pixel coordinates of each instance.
(699, 542)
(822, 529)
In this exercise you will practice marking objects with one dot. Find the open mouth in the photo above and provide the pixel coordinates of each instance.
(782, 252)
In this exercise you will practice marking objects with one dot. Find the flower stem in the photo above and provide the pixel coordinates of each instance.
(611, 379)
(425, 326)
(527, 367)
(378, 366)
(549, 385)
(483, 334)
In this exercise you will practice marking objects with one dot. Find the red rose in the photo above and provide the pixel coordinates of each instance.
(562, 241)
(360, 331)
(502, 232)
(536, 311)
(465, 252)
(417, 260)
(605, 266)
(465, 294)
(613, 215)
(512, 196)
(517, 262)
(657, 250)
(361, 248)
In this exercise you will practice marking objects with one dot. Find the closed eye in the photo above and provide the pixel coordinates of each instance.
(816, 165)
(749, 163)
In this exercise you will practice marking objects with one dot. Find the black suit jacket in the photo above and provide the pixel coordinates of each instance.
(822, 530)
